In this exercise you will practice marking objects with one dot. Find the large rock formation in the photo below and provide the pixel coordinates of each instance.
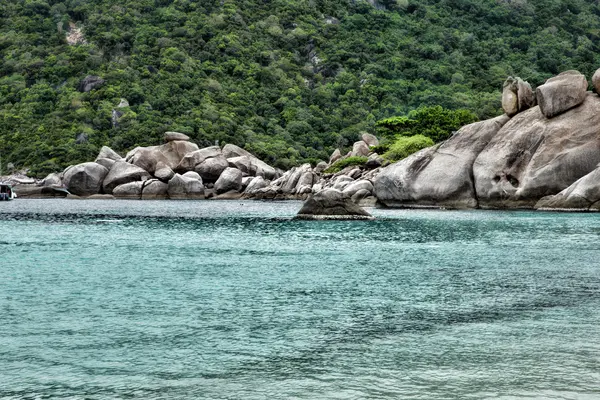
(84, 179)
(439, 176)
(517, 96)
(331, 204)
(533, 156)
(580, 196)
(561, 93)
(185, 187)
(170, 154)
(123, 172)
(230, 180)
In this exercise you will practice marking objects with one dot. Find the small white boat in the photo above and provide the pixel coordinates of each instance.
(7, 192)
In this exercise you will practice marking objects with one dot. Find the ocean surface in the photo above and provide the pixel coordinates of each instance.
(235, 300)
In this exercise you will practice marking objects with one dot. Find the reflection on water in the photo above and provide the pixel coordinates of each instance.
(235, 300)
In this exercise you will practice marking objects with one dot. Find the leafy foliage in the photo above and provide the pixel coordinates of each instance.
(407, 145)
(346, 162)
(434, 122)
(288, 79)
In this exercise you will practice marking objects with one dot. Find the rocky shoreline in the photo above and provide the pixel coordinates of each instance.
(543, 153)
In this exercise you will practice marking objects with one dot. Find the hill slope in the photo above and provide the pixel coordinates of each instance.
(288, 79)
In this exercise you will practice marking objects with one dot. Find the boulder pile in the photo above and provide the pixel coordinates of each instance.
(534, 156)
(179, 170)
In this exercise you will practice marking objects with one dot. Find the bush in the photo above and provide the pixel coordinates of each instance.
(345, 162)
(405, 146)
(434, 122)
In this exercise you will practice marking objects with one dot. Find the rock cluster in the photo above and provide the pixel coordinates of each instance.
(513, 161)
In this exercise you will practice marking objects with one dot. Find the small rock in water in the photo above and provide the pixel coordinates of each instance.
(331, 204)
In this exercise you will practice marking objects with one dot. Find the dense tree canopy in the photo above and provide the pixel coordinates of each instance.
(290, 80)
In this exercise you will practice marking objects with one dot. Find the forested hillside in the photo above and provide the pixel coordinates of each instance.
(289, 80)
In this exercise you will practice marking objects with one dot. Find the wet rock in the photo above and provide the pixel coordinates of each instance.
(331, 204)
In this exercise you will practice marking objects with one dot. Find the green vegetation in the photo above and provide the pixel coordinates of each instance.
(290, 80)
(436, 123)
(423, 127)
(345, 162)
(404, 146)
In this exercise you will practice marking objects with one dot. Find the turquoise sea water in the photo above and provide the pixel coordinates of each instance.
(234, 300)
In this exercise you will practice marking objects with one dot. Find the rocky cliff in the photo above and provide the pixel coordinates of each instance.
(510, 162)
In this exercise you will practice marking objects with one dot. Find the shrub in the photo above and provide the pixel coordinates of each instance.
(434, 122)
(345, 162)
(405, 146)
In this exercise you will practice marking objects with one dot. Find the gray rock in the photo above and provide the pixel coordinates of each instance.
(370, 140)
(360, 149)
(107, 152)
(171, 136)
(374, 161)
(90, 83)
(131, 190)
(517, 96)
(105, 162)
(122, 172)
(193, 175)
(163, 172)
(308, 178)
(355, 186)
(211, 168)
(532, 157)
(101, 197)
(85, 179)
(243, 163)
(321, 166)
(336, 155)
(355, 173)
(154, 189)
(360, 195)
(259, 167)
(170, 153)
(331, 204)
(561, 93)
(182, 187)
(596, 81)
(304, 189)
(52, 180)
(342, 181)
(581, 195)
(230, 180)
(256, 184)
(191, 160)
(246, 181)
(438, 176)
